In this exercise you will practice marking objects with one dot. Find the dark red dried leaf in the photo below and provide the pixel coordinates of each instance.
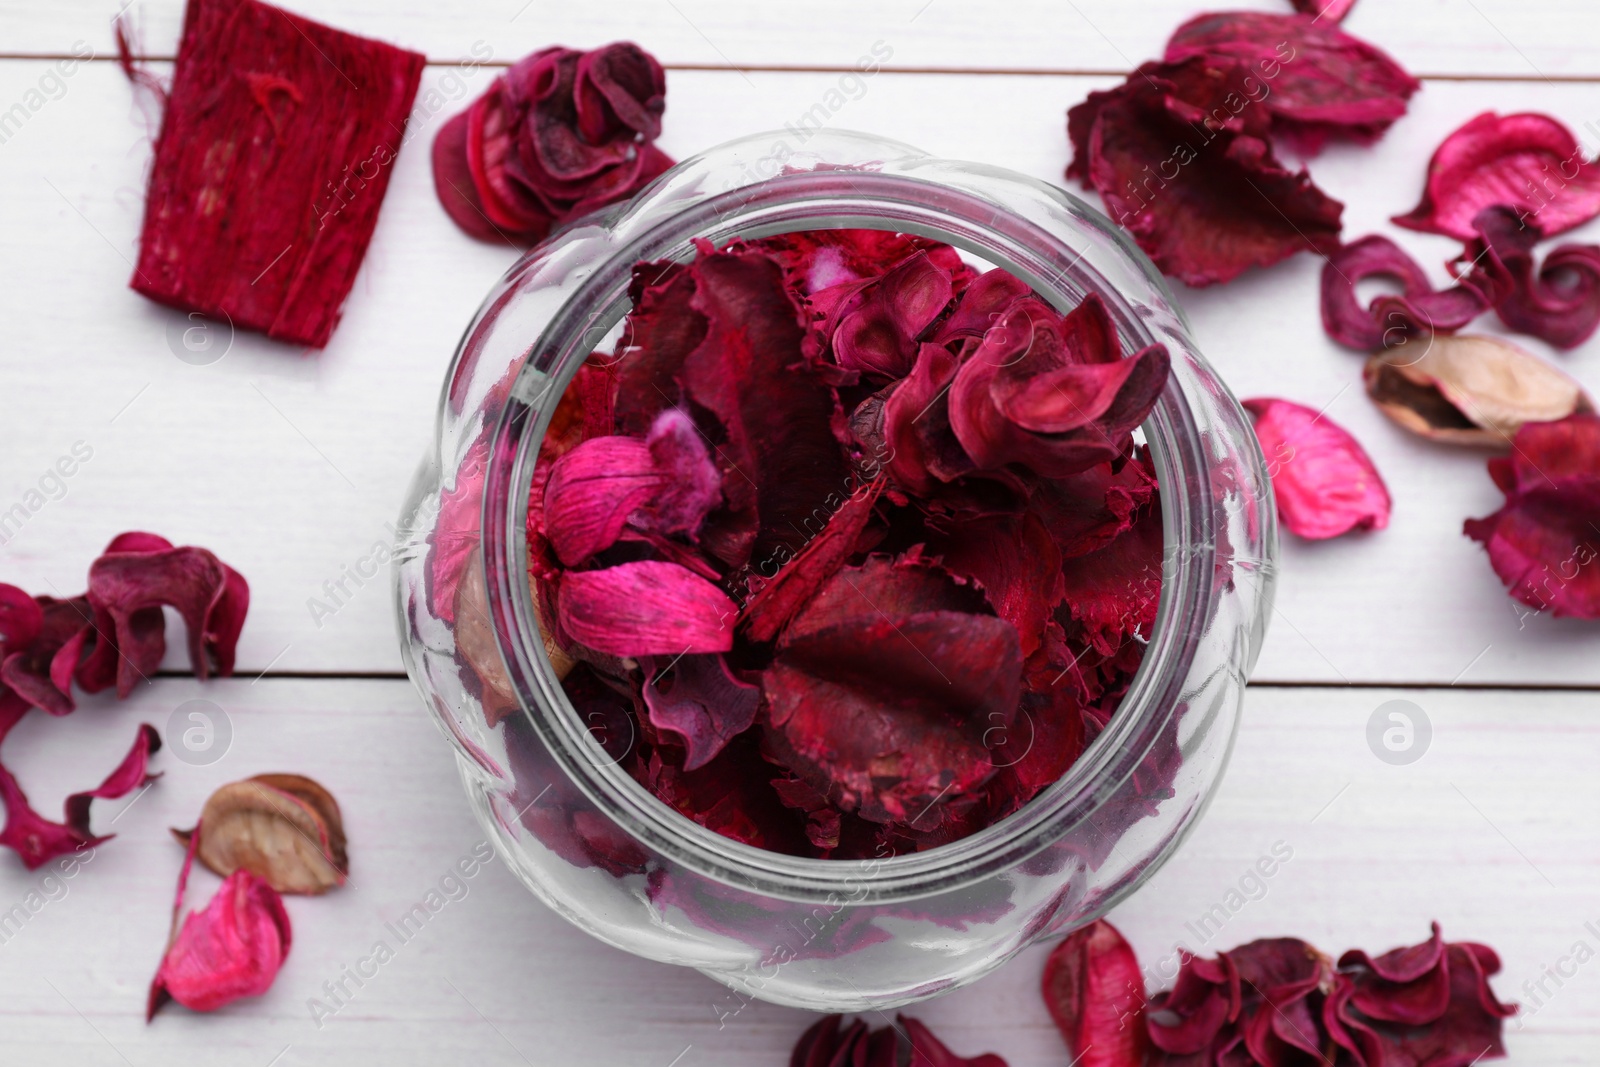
(1324, 481)
(1094, 990)
(1312, 77)
(1542, 542)
(1527, 161)
(1181, 159)
(1559, 302)
(559, 135)
(1391, 319)
(838, 262)
(275, 151)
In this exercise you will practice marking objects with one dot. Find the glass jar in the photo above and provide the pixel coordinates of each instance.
(593, 844)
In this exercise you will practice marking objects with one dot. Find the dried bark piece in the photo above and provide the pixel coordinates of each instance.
(275, 151)
(284, 828)
(1470, 390)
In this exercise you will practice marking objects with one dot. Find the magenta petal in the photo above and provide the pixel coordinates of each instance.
(130, 774)
(38, 840)
(1323, 479)
(191, 580)
(1407, 985)
(20, 619)
(233, 948)
(591, 492)
(1528, 161)
(1558, 303)
(981, 306)
(33, 672)
(691, 485)
(225, 621)
(1330, 10)
(699, 699)
(880, 337)
(649, 608)
(1389, 320)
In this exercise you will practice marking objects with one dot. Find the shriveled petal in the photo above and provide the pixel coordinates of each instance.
(591, 492)
(1559, 302)
(234, 948)
(699, 699)
(123, 583)
(1389, 321)
(648, 608)
(690, 483)
(1094, 990)
(1527, 161)
(1324, 481)
(880, 336)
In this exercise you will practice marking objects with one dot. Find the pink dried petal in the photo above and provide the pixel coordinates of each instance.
(232, 949)
(1324, 481)
(923, 449)
(1094, 990)
(1311, 76)
(1331, 10)
(591, 492)
(699, 699)
(1389, 320)
(880, 335)
(690, 483)
(1527, 161)
(38, 840)
(648, 608)
(1205, 999)
(1558, 303)
(1221, 202)
(1542, 542)
(815, 261)
(33, 672)
(225, 622)
(982, 305)
(192, 580)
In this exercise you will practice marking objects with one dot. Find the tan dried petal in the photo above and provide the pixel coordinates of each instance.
(1470, 390)
(284, 828)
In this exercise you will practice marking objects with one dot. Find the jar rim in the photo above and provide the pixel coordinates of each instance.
(887, 185)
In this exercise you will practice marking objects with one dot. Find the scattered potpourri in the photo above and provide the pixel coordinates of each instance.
(284, 828)
(1470, 390)
(902, 1043)
(1278, 1001)
(1558, 303)
(854, 540)
(559, 134)
(275, 152)
(231, 949)
(1390, 320)
(1182, 152)
(1324, 481)
(1543, 541)
(114, 634)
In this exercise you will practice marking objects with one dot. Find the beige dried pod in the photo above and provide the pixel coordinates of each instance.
(1470, 389)
(284, 828)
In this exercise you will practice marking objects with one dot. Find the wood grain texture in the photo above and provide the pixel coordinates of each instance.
(291, 465)
(1490, 833)
(1454, 38)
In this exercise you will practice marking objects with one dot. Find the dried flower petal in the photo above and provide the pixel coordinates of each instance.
(649, 608)
(1542, 542)
(232, 949)
(559, 135)
(283, 828)
(700, 700)
(1220, 202)
(275, 152)
(1332, 10)
(879, 332)
(1389, 320)
(1324, 481)
(38, 840)
(39, 672)
(1314, 78)
(124, 583)
(905, 1043)
(1559, 303)
(1527, 161)
(1095, 992)
(1470, 390)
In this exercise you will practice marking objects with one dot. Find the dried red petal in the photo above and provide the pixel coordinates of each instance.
(1182, 161)
(1558, 303)
(700, 700)
(879, 330)
(905, 1043)
(273, 120)
(815, 261)
(38, 840)
(1324, 481)
(232, 949)
(40, 672)
(1095, 992)
(1114, 592)
(1050, 393)
(1333, 10)
(124, 584)
(1389, 320)
(886, 687)
(1016, 563)
(1311, 76)
(559, 135)
(1542, 542)
(1527, 161)
(1191, 1016)
(648, 608)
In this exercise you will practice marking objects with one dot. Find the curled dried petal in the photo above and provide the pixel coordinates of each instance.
(700, 700)
(1389, 320)
(648, 608)
(283, 828)
(1324, 481)
(1470, 390)
(1094, 990)
(232, 949)
(1559, 302)
(1527, 161)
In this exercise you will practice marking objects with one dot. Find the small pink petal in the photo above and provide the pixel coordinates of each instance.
(649, 608)
(1323, 479)
(232, 949)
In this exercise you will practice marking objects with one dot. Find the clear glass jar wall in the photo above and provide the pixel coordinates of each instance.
(830, 935)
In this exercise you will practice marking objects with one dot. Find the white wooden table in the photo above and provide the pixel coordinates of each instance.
(290, 465)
